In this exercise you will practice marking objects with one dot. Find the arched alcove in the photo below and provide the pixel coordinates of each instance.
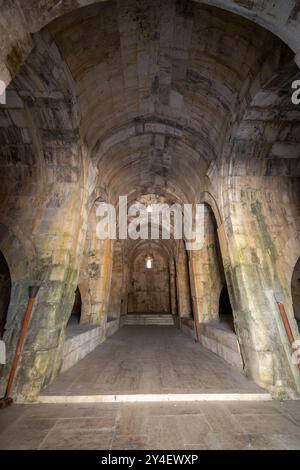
(149, 282)
(172, 128)
(76, 310)
(225, 309)
(295, 288)
(5, 292)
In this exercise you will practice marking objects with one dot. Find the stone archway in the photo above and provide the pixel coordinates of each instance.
(149, 283)
(32, 18)
(76, 310)
(225, 308)
(150, 124)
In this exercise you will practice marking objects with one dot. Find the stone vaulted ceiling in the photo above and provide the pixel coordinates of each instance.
(158, 85)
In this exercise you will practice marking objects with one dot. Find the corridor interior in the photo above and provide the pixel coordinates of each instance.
(136, 340)
(144, 362)
(150, 360)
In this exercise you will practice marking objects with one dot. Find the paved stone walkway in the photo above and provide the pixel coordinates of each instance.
(158, 360)
(150, 359)
(234, 425)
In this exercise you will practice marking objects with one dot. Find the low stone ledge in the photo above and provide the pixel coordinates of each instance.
(219, 334)
(80, 342)
(112, 327)
(222, 342)
(187, 326)
(217, 339)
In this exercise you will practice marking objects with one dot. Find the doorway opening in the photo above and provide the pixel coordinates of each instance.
(295, 288)
(225, 309)
(5, 292)
(149, 284)
(76, 310)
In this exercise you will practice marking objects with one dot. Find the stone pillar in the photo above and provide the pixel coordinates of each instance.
(105, 281)
(183, 284)
(125, 288)
(173, 298)
(255, 272)
(59, 245)
(206, 273)
(95, 275)
(194, 259)
(117, 279)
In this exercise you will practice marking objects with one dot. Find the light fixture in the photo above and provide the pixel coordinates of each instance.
(149, 262)
(149, 209)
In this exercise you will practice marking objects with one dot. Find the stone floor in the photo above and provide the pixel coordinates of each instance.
(151, 359)
(232, 425)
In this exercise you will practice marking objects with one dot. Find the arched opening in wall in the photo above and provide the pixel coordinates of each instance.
(5, 291)
(76, 310)
(220, 303)
(295, 288)
(225, 309)
(156, 157)
(149, 284)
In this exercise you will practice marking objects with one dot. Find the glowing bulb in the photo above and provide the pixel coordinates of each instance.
(149, 263)
(149, 209)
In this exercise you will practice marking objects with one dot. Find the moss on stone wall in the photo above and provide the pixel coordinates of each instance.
(14, 60)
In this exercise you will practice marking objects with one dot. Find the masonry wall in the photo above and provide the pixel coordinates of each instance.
(172, 99)
(295, 288)
(149, 288)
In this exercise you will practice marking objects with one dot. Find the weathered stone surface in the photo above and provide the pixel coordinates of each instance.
(172, 101)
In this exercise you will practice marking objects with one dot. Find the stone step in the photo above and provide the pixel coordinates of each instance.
(149, 319)
(154, 397)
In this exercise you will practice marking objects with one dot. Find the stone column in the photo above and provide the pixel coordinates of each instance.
(206, 273)
(173, 297)
(125, 288)
(105, 280)
(95, 274)
(254, 231)
(59, 237)
(183, 284)
(115, 300)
